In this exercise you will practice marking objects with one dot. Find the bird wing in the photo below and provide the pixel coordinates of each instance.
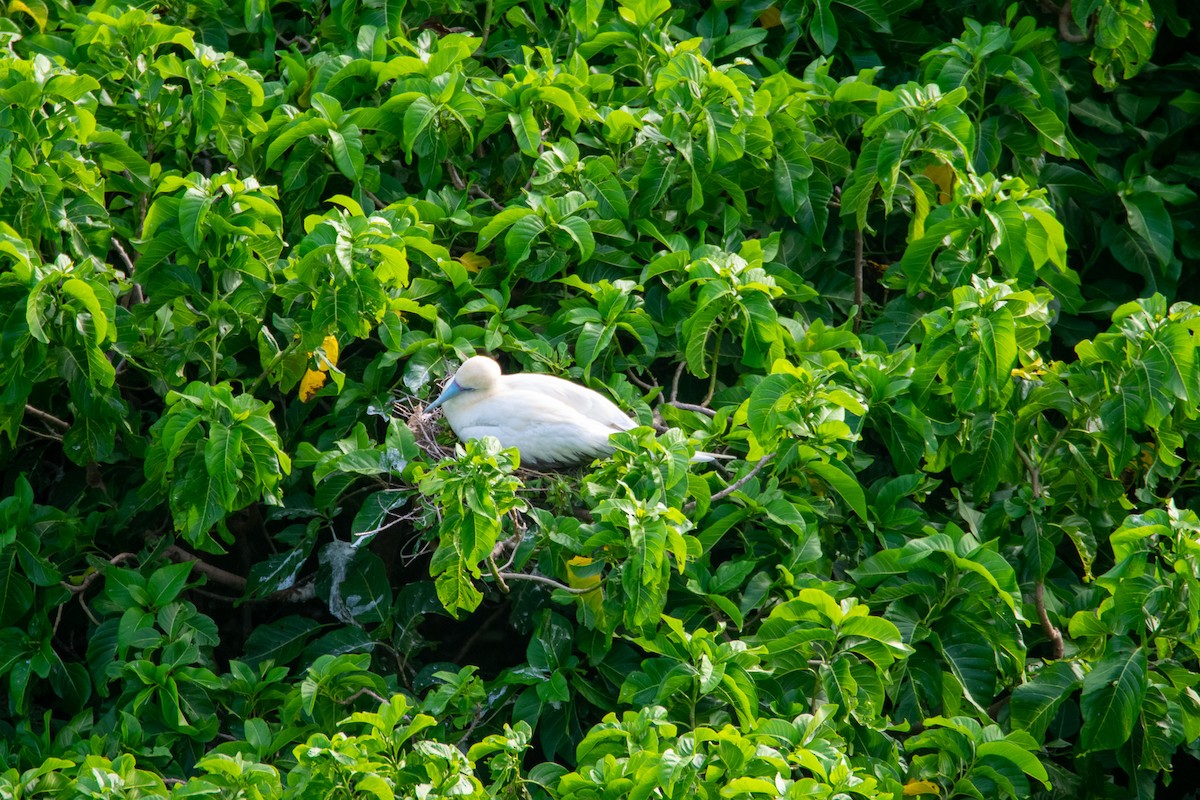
(588, 403)
(545, 429)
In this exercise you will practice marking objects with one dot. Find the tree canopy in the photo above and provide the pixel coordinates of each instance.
(921, 268)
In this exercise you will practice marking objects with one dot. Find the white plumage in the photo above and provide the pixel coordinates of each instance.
(552, 422)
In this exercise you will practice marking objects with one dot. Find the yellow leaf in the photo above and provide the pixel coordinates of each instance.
(330, 346)
(595, 599)
(473, 262)
(770, 18)
(34, 8)
(310, 383)
(943, 176)
(920, 787)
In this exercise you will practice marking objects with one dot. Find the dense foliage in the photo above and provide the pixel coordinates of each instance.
(918, 266)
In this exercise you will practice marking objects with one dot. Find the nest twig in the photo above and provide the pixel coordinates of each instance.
(424, 427)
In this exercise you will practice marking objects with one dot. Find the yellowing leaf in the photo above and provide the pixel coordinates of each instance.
(770, 18)
(943, 176)
(330, 346)
(576, 580)
(312, 381)
(913, 788)
(473, 262)
(34, 8)
(594, 599)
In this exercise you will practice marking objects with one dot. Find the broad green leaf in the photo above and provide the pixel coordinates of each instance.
(520, 238)
(579, 230)
(526, 130)
(1035, 703)
(1149, 219)
(844, 483)
(1112, 696)
(823, 27)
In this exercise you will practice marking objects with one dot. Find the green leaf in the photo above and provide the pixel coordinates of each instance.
(844, 483)
(1035, 703)
(1112, 696)
(293, 132)
(16, 595)
(417, 118)
(823, 26)
(521, 236)
(193, 209)
(1149, 219)
(579, 230)
(167, 582)
(527, 131)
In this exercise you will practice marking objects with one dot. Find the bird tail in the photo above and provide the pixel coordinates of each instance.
(709, 458)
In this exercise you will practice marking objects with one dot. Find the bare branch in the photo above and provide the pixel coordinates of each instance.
(1035, 475)
(644, 385)
(1064, 26)
(116, 243)
(675, 382)
(705, 410)
(42, 415)
(455, 179)
(90, 578)
(1055, 635)
(215, 574)
(360, 693)
(738, 484)
(858, 277)
(475, 191)
(524, 576)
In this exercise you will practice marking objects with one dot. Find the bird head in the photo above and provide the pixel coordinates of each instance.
(478, 373)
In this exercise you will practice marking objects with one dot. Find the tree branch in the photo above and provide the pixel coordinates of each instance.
(525, 576)
(1064, 26)
(1056, 639)
(42, 415)
(733, 487)
(215, 574)
(858, 277)
(705, 410)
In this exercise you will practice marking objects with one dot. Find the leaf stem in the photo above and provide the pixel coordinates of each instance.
(280, 356)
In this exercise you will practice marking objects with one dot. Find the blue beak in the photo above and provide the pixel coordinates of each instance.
(452, 389)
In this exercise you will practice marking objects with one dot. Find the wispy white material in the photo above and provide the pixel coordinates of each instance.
(552, 422)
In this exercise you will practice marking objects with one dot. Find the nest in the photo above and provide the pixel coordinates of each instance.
(424, 427)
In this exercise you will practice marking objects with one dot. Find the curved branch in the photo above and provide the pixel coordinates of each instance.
(1064, 26)
(1052, 631)
(525, 576)
(733, 487)
(47, 417)
(215, 574)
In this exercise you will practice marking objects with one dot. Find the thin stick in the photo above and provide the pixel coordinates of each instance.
(858, 277)
(1056, 639)
(116, 243)
(524, 576)
(705, 410)
(216, 574)
(37, 412)
(496, 574)
(733, 487)
(1064, 26)
(675, 382)
(282, 354)
(1039, 586)
(649, 387)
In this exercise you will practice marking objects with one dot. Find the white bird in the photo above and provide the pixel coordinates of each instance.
(551, 421)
